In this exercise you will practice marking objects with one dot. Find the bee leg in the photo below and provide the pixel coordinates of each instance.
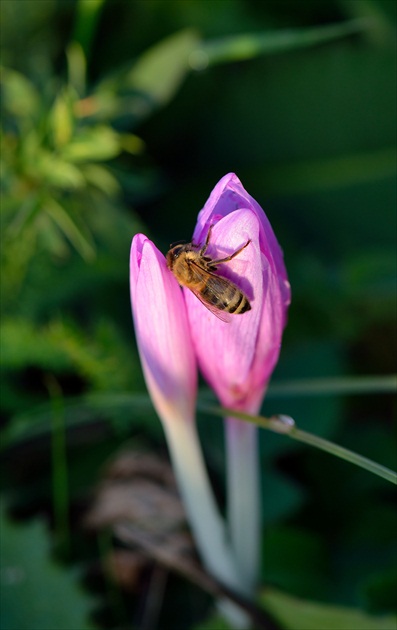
(207, 240)
(224, 260)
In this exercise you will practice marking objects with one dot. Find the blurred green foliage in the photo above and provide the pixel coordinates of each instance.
(119, 117)
(24, 556)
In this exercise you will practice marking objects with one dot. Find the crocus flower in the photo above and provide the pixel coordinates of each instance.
(237, 358)
(169, 365)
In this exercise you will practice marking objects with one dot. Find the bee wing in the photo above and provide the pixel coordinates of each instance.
(223, 315)
(217, 284)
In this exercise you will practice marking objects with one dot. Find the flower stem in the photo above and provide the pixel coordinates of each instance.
(243, 494)
(203, 514)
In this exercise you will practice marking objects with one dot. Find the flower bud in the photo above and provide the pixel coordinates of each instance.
(162, 333)
(237, 357)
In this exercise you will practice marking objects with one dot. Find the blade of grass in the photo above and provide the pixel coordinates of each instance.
(344, 453)
(79, 410)
(335, 385)
(69, 228)
(286, 426)
(249, 46)
(60, 482)
(87, 15)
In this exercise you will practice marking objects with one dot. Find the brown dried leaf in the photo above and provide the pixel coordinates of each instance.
(141, 502)
(138, 464)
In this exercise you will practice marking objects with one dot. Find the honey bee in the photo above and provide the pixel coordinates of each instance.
(194, 270)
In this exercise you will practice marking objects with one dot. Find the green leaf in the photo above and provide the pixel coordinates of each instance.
(77, 67)
(19, 94)
(160, 71)
(55, 171)
(80, 241)
(21, 217)
(101, 178)
(97, 144)
(37, 594)
(88, 13)
(132, 143)
(300, 614)
(61, 120)
(242, 47)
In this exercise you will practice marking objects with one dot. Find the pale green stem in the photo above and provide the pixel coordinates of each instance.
(243, 496)
(203, 514)
(286, 425)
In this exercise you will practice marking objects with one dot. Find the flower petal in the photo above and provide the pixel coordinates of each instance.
(237, 359)
(162, 332)
(228, 195)
(226, 350)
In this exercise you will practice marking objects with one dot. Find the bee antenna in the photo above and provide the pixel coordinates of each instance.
(178, 243)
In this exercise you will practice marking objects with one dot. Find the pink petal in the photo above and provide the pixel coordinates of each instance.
(226, 351)
(162, 332)
(228, 195)
(237, 359)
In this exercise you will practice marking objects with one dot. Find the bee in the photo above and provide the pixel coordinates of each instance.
(194, 270)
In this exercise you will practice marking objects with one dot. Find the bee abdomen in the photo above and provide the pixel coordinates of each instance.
(238, 304)
(232, 300)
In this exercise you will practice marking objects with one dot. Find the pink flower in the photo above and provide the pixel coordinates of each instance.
(162, 333)
(169, 365)
(174, 330)
(237, 358)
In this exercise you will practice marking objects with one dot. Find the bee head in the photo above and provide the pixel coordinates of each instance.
(173, 254)
(177, 249)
